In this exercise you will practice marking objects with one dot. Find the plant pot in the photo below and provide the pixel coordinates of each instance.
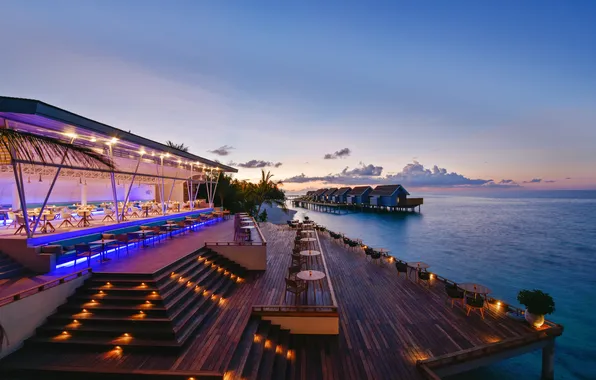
(533, 319)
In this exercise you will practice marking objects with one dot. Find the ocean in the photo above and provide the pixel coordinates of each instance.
(508, 242)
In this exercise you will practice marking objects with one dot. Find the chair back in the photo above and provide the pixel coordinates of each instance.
(108, 211)
(20, 219)
(475, 301)
(401, 266)
(425, 276)
(291, 284)
(65, 214)
(294, 269)
(453, 291)
(123, 238)
(108, 236)
(145, 228)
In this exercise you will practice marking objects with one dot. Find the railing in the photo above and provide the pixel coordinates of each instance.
(235, 243)
(45, 286)
(427, 365)
(328, 278)
(297, 310)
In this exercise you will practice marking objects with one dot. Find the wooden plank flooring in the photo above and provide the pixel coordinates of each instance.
(386, 323)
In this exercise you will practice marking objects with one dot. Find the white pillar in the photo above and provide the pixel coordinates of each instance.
(84, 194)
(16, 199)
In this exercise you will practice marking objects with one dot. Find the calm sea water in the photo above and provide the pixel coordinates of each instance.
(543, 241)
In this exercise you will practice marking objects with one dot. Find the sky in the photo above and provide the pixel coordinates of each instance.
(442, 95)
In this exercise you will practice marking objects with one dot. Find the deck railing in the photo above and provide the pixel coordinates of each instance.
(45, 286)
(298, 310)
(426, 366)
(234, 243)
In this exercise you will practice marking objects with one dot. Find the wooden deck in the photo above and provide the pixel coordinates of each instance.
(387, 323)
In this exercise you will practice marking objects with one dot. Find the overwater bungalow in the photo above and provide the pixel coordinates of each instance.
(318, 195)
(359, 195)
(328, 195)
(341, 195)
(387, 195)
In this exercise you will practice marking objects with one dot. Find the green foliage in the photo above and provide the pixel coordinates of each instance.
(181, 147)
(244, 196)
(262, 216)
(537, 302)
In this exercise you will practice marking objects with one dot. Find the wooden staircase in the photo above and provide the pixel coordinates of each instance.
(9, 268)
(141, 312)
(263, 353)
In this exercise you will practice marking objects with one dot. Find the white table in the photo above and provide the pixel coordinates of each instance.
(311, 254)
(312, 275)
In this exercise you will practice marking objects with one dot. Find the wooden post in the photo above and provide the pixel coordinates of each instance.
(548, 360)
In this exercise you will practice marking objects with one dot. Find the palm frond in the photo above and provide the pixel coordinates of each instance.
(29, 147)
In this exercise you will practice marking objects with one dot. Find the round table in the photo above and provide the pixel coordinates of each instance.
(308, 239)
(416, 266)
(312, 275)
(311, 254)
(474, 288)
(308, 232)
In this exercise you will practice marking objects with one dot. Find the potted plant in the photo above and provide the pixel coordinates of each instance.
(538, 304)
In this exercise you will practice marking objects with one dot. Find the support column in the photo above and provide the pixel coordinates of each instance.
(548, 360)
(84, 194)
(16, 199)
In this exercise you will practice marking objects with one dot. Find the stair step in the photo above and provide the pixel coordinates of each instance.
(8, 266)
(268, 358)
(281, 356)
(113, 331)
(106, 319)
(255, 354)
(11, 273)
(105, 343)
(243, 348)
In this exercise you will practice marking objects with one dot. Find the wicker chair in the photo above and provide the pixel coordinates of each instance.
(293, 271)
(401, 268)
(295, 288)
(424, 276)
(454, 293)
(475, 303)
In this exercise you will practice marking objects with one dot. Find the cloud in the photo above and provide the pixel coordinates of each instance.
(345, 152)
(550, 181)
(222, 150)
(364, 170)
(252, 164)
(413, 174)
(534, 180)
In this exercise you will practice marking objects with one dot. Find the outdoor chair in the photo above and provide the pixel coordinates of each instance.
(298, 260)
(295, 288)
(157, 233)
(134, 238)
(293, 271)
(123, 239)
(475, 303)
(13, 220)
(108, 214)
(47, 223)
(454, 293)
(85, 250)
(424, 276)
(375, 257)
(368, 252)
(401, 268)
(22, 224)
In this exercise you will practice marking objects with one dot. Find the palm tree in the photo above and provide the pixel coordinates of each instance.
(181, 147)
(24, 146)
(268, 192)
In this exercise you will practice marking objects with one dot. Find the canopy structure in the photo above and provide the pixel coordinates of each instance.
(143, 169)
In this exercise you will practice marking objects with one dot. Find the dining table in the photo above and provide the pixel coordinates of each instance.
(170, 227)
(311, 254)
(416, 266)
(103, 243)
(314, 276)
(143, 235)
(84, 222)
(476, 289)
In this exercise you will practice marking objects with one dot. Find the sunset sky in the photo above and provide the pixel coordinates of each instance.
(437, 95)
